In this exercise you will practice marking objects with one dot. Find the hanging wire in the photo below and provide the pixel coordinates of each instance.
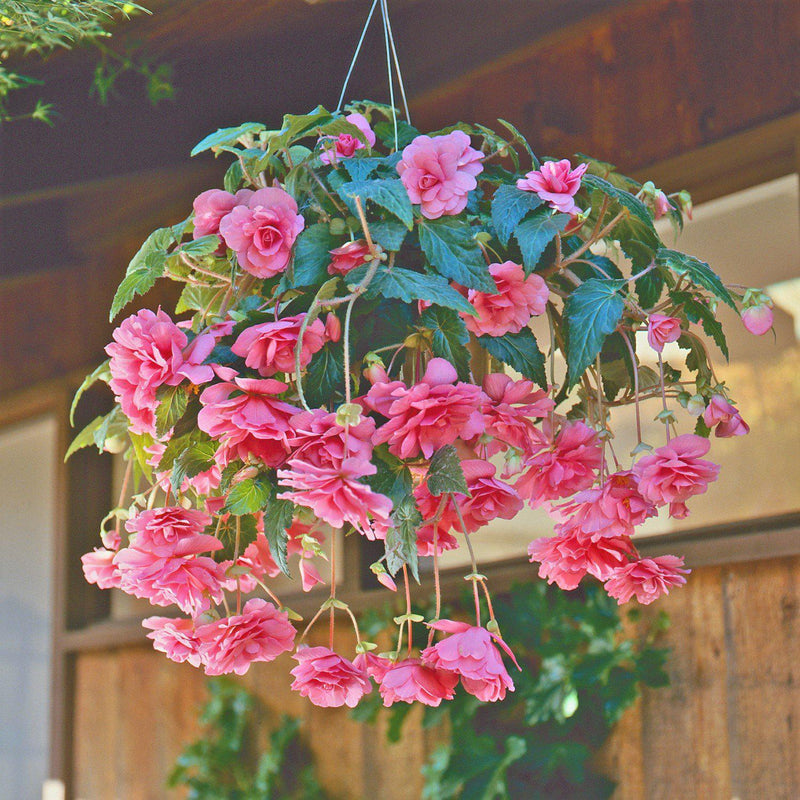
(391, 60)
(385, 16)
(355, 55)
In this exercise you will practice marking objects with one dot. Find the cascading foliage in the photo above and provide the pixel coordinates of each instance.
(355, 352)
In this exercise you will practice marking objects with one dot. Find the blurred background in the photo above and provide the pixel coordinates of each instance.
(701, 95)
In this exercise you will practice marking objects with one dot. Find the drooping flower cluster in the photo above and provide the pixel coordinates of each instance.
(360, 358)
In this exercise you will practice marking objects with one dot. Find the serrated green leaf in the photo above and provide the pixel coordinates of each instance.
(249, 496)
(138, 282)
(234, 176)
(451, 249)
(450, 337)
(637, 208)
(278, 516)
(649, 288)
(445, 475)
(698, 272)
(388, 193)
(592, 312)
(85, 438)
(696, 311)
(406, 133)
(409, 286)
(509, 206)
(101, 373)
(226, 136)
(535, 232)
(339, 126)
(392, 478)
(199, 298)
(172, 405)
(324, 375)
(520, 351)
(196, 458)
(204, 246)
(360, 168)
(312, 255)
(401, 538)
(388, 234)
(520, 138)
(296, 126)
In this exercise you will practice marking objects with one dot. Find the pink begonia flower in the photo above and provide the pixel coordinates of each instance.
(757, 319)
(348, 257)
(269, 346)
(190, 582)
(470, 653)
(99, 568)
(345, 144)
(661, 205)
(562, 467)
(211, 206)
(646, 579)
(569, 555)
(509, 410)
(175, 637)
(556, 183)
(317, 438)
(429, 414)
(425, 540)
(661, 330)
(375, 666)
(262, 231)
(247, 419)
(676, 471)
(726, 417)
(510, 309)
(439, 172)
(678, 510)
(411, 681)
(327, 679)
(147, 353)
(171, 531)
(614, 509)
(260, 633)
(336, 495)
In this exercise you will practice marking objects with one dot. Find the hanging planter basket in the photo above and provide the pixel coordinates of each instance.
(355, 352)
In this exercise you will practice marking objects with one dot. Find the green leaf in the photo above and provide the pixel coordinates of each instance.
(521, 139)
(101, 373)
(388, 234)
(172, 405)
(520, 351)
(698, 272)
(226, 136)
(85, 438)
(296, 126)
(234, 176)
(312, 255)
(509, 206)
(249, 495)
(637, 208)
(445, 475)
(697, 311)
(278, 516)
(450, 337)
(536, 232)
(406, 133)
(452, 250)
(401, 539)
(324, 375)
(199, 298)
(409, 286)
(592, 312)
(360, 168)
(138, 282)
(196, 458)
(204, 246)
(649, 288)
(339, 126)
(388, 193)
(392, 479)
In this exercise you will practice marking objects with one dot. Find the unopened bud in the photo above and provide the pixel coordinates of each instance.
(348, 414)
(333, 328)
(696, 405)
(337, 227)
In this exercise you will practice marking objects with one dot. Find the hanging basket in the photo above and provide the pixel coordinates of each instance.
(356, 353)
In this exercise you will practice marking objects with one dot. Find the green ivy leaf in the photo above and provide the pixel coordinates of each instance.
(249, 495)
(520, 351)
(226, 136)
(388, 193)
(698, 272)
(509, 206)
(450, 337)
(278, 516)
(407, 285)
(592, 312)
(536, 232)
(312, 255)
(445, 475)
(173, 401)
(452, 250)
(401, 539)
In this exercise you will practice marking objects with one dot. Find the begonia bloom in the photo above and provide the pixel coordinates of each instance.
(327, 679)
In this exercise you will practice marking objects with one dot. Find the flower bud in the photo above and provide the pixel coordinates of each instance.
(337, 227)
(696, 405)
(333, 328)
(757, 319)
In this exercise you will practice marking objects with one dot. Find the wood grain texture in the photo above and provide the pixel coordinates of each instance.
(725, 727)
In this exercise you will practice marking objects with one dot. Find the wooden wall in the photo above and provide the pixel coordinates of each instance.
(727, 726)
